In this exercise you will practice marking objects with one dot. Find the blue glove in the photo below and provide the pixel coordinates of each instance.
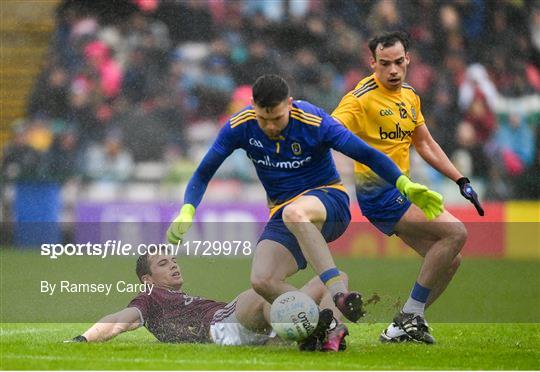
(468, 193)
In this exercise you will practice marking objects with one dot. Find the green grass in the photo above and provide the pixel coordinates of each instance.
(459, 347)
(489, 318)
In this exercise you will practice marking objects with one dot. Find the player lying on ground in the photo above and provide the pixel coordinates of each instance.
(289, 143)
(385, 112)
(174, 316)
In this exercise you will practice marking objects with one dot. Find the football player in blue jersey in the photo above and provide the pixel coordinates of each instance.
(289, 143)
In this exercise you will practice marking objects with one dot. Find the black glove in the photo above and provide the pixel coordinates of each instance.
(79, 338)
(468, 193)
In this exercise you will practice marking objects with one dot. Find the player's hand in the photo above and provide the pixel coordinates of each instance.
(79, 338)
(181, 224)
(430, 202)
(468, 193)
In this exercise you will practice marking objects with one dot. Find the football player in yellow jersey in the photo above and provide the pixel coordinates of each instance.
(385, 112)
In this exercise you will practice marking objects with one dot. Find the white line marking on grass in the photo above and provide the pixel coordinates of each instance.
(147, 360)
(9, 332)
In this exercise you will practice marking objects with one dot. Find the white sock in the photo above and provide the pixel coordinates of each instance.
(337, 287)
(413, 306)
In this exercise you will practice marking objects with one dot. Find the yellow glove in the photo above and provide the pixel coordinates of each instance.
(430, 202)
(181, 224)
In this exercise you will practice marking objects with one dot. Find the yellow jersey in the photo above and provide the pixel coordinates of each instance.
(384, 119)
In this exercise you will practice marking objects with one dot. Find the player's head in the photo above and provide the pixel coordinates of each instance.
(272, 104)
(160, 270)
(390, 58)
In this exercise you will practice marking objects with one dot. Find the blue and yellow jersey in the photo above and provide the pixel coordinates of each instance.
(297, 162)
(300, 160)
(386, 121)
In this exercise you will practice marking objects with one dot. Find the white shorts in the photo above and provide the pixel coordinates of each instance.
(226, 330)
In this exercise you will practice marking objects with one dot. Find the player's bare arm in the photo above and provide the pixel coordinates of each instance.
(111, 326)
(433, 154)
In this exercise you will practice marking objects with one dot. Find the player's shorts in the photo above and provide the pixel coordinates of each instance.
(384, 211)
(338, 217)
(226, 330)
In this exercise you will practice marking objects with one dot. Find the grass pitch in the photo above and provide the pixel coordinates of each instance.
(460, 346)
(489, 318)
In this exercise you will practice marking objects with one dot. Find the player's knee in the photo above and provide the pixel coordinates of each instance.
(455, 237)
(264, 285)
(459, 236)
(292, 214)
(456, 263)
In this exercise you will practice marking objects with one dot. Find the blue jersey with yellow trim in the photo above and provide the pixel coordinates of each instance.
(299, 160)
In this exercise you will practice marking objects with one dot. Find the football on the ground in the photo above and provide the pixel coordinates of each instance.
(294, 315)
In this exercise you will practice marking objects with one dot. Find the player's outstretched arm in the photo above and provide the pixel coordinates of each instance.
(434, 155)
(110, 326)
(430, 202)
(222, 147)
(193, 195)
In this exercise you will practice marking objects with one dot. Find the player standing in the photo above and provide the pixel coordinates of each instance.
(385, 112)
(289, 144)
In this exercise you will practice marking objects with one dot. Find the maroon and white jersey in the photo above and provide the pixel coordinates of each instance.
(174, 316)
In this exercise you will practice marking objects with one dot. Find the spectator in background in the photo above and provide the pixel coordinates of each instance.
(108, 161)
(109, 73)
(344, 47)
(179, 49)
(218, 76)
(187, 20)
(50, 95)
(83, 103)
(475, 130)
(445, 115)
(527, 186)
(384, 16)
(142, 77)
(306, 71)
(326, 94)
(514, 142)
(259, 62)
(38, 162)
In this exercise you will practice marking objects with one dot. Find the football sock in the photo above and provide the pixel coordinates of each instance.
(333, 281)
(417, 300)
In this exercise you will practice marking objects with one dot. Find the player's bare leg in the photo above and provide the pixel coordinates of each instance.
(271, 265)
(253, 311)
(422, 247)
(440, 242)
(304, 218)
(320, 294)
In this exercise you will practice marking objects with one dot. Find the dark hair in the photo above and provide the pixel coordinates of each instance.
(143, 266)
(270, 90)
(388, 39)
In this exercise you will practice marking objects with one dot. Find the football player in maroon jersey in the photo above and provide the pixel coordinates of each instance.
(172, 315)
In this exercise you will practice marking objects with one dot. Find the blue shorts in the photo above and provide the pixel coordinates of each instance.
(384, 211)
(338, 217)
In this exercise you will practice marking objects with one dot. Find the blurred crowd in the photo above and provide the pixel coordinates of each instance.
(131, 82)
